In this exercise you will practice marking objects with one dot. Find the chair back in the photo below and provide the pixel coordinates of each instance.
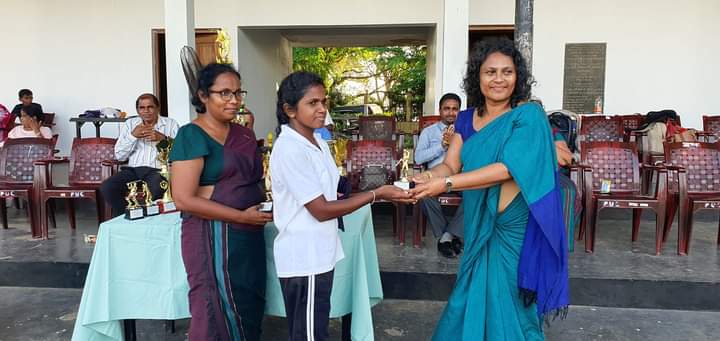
(711, 124)
(48, 120)
(613, 161)
(631, 122)
(18, 155)
(426, 121)
(370, 153)
(377, 127)
(86, 159)
(701, 161)
(601, 128)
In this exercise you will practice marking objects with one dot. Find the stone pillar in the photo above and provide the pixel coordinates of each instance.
(179, 32)
(454, 47)
(524, 29)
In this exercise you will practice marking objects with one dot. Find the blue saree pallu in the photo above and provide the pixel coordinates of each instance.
(514, 273)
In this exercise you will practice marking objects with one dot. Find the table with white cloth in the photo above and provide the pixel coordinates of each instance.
(137, 272)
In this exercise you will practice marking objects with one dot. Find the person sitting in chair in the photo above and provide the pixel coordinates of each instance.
(26, 98)
(31, 117)
(431, 149)
(136, 144)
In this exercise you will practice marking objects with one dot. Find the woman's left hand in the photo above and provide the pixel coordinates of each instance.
(431, 188)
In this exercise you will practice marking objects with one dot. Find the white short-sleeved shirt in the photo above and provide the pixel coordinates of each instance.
(301, 172)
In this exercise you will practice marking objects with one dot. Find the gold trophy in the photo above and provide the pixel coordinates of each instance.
(163, 148)
(133, 210)
(404, 174)
(222, 48)
(149, 206)
(267, 205)
(340, 154)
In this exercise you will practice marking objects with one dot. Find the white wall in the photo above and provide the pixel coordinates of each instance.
(77, 55)
(493, 12)
(660, 53)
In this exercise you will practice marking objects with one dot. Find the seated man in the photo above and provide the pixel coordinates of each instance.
(136, 143)
(430, 150)
(26, 98)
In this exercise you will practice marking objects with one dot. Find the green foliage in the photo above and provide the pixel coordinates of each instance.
(386, 74)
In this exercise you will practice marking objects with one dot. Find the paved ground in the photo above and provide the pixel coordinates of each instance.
(49, 315)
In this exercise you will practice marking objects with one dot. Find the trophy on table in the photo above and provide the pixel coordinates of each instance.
(133, 210)
(150, 207)
(163, 148)
(267, 205)
(404, 174)
(340, 154)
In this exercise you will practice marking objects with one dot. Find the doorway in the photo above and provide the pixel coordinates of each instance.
(478, 33)
(204, 45)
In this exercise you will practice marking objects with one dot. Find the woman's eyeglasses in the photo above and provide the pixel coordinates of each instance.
(228, 95)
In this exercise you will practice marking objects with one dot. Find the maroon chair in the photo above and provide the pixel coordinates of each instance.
(88, 168)
(375, 153)
(426, 121)
(16, 175)
(694, 184)
(377, 127)
(630, 123)
(711, 128)
(617, 162)
(601, 128)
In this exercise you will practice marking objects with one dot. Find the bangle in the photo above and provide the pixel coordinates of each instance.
(373, 193)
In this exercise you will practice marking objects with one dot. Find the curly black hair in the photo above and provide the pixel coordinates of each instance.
(480, 52)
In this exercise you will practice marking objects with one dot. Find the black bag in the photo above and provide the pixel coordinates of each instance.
(566, 124)
(372, 177)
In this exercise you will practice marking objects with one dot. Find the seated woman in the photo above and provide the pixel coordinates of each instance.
(216, 173)
(31, 117)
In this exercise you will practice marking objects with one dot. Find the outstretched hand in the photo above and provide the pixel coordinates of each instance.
(431, 188)
(394, 193)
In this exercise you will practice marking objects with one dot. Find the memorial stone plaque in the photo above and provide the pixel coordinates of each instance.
(584, 78)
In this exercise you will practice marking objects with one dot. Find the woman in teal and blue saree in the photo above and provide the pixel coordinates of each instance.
(513, 274)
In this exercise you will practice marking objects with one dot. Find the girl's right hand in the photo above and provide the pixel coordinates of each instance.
(393, 193)
(252, 216)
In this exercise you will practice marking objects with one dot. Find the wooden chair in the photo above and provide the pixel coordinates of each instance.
(49, 119)
(630, 123)
(16, 176)
(377, 127)
(711, 129)
(618, 163)
(374, 152)
(694, 184)
(86, 173)
(601, 128)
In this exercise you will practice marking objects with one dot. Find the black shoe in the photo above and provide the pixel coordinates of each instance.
(457, 245)
(445, 249)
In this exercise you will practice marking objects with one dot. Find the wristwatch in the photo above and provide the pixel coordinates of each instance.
(448, 184)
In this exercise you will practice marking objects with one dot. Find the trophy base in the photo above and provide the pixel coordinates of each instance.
(266, 206)
(406, 185)
(152, 210)
(167, 207)
(134, 213)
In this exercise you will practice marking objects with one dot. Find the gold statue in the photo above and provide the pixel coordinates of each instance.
(222, 44)
(269, 140)
(340, 154)
(146, 194)
(163, 156)
(404, 166)
(131, 197)
(267, 205)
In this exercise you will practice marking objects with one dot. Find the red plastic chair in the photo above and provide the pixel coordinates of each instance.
(618, 163)
(88, 168)
(711, 129)
(694, 185)
(16, 175)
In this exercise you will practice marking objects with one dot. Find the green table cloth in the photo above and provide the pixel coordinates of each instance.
(136, 272)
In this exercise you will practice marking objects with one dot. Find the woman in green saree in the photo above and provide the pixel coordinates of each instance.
(514, 270)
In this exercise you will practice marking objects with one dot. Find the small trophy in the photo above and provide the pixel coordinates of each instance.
(405, 175)
(166, 203)
(267, 205)
(150, 207)
(340, 154)
(241, 117)
(133, 211)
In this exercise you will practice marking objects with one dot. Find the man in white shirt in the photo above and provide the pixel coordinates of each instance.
(136, 144)
(430, 150)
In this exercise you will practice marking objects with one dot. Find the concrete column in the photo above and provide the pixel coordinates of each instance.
(179, 32)
(524, 29)
(454, 47)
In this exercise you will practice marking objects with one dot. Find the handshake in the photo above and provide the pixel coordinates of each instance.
(422, 185)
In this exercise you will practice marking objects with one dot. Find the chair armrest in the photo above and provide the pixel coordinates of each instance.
(57, 160)
(675, 168)
(660, 167)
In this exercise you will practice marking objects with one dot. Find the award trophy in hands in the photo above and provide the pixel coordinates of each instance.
(163, 148)
(404, 173)
(267, 205)
(133, 210)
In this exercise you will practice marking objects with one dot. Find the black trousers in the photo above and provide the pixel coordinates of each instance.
(114, 188)
(307, 305)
